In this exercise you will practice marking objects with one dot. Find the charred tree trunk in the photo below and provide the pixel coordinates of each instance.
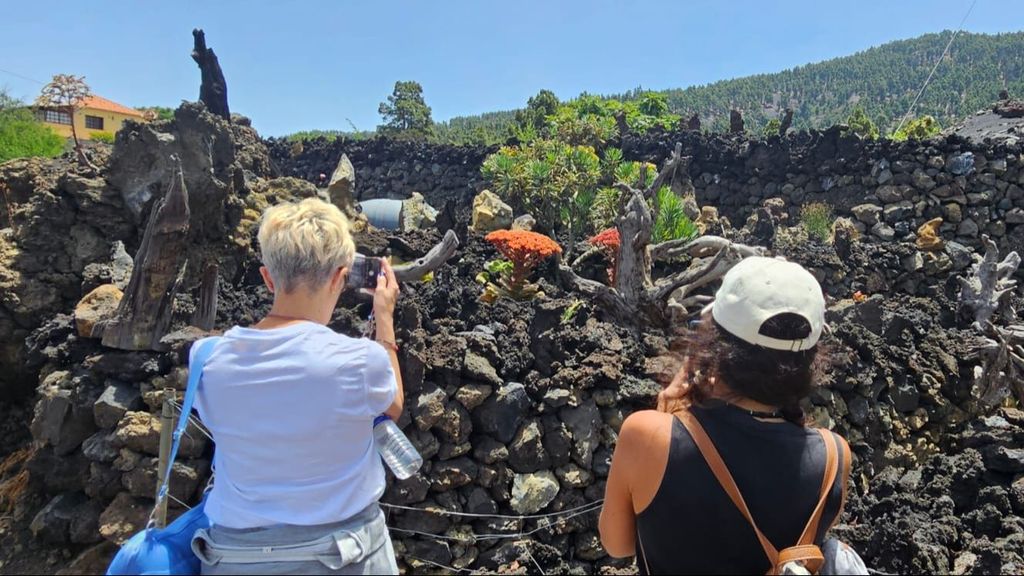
(205, 315)
(787, 121)
(213, 92)
(735, 122)
(144, 314)
(693, 123)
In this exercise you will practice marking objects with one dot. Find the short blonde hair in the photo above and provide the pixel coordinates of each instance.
(304, 243)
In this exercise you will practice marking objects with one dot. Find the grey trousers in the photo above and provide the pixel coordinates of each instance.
(358, 545)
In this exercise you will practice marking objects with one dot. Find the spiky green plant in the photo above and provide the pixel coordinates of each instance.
(610, 162)
(605, 208)
(671, 223)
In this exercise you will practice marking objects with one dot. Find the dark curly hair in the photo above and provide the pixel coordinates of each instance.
(774, 377)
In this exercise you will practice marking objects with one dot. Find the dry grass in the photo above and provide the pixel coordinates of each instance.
(12, 488)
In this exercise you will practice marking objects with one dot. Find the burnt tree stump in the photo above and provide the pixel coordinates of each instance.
(735, 122)
(787, 121)
(693, 123)
(144, 314)
(213, 92)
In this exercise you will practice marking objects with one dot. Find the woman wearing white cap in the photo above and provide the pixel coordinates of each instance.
(725, 477)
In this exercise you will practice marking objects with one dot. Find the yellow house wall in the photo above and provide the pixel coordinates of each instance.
(112, 122)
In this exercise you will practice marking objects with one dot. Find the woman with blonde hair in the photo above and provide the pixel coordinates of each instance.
(290, 405)
(725, 477)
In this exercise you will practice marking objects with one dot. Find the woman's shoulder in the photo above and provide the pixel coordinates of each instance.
(645, 429)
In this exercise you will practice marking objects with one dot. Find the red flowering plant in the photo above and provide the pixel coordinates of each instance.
(525, 250)
(608, 241)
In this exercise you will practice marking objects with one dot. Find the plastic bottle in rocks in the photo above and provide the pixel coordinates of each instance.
(394, 448)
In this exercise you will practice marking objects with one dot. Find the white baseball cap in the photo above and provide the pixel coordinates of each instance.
(760, 288)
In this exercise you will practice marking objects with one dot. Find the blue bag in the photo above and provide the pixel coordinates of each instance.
(169, 550)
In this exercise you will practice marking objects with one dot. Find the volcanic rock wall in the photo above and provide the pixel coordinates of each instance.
(387, 168)
(515, 406)
(888, 188)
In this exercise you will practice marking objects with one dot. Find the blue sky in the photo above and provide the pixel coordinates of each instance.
(303, 64)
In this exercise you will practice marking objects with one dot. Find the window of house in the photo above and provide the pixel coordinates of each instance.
(56, 117)
(94, 123)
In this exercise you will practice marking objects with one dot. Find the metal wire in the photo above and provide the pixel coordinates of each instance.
(936, 67)
(487, 537)
(193, 420)
(443, 512)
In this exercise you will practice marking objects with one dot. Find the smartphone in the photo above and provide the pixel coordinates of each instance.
(362, 275)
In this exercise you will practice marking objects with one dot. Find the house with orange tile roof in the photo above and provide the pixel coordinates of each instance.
(95, 116)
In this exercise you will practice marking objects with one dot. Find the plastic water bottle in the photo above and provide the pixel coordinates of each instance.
(396, 450)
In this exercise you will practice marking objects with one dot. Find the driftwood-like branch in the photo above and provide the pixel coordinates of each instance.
(432, 260)
(604, 296)
(711, 270)
(668, 173)
(983, 297)
(205, 315)
(590, 253)
(144, 314)
(701, 247)
(984, 292)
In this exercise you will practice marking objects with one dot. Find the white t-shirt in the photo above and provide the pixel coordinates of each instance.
(291, 411)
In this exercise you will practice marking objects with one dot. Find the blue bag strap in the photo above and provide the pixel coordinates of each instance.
(195, 374)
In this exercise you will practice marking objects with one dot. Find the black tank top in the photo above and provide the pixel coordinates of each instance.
(692, 527)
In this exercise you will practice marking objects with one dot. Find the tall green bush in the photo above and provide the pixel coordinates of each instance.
(546, 179)
(21, 135)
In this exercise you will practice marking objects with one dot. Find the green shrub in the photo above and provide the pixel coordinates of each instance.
(671, 223)
(105, 137)
(917, 129)
(549, 179)
(861, 125)
(21, 136)
(817, 219)
(771, 128)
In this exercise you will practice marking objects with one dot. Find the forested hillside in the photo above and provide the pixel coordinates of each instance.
(883, 80)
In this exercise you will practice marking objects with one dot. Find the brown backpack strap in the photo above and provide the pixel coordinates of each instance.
(805, 550)
(847, 465)
(724, 477)
(828, 481)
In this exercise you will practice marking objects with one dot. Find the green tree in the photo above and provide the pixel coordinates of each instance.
(861, 125)
(917, 129)
(406, 113)
(653, 104)
(771, 128)
(533, 119)
(21, 135)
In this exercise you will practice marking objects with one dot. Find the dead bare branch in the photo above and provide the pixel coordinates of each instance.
(432, 260)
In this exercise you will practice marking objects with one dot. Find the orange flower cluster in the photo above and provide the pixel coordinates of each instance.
(609, 242)
(525, 250)
(607, 239)
(523, 246)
